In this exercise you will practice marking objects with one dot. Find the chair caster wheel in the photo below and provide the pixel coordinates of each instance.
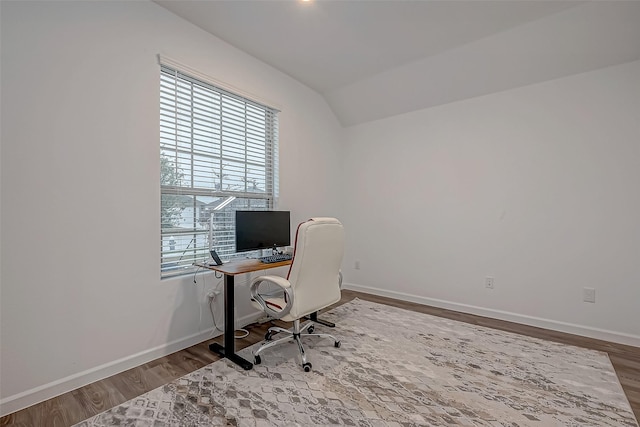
(257, 360)
(268, 336)
(337, 344)
(306, 366)
(311, 329)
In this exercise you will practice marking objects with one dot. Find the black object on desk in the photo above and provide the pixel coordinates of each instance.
(270, 259)
(215, 257)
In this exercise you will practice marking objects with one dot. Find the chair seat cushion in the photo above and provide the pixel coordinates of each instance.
(275, 304)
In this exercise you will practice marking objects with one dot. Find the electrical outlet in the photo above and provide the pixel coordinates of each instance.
(589, 295)
(488, 282)
(357, 265)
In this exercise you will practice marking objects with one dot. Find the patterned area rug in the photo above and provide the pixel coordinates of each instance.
(395, 368)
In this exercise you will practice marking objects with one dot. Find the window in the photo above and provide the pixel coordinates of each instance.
(218, 154)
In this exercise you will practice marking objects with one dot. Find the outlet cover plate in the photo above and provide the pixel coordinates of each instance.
(488, 282)
(589, 295)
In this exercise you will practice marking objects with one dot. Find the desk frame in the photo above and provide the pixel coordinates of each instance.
(230, 270)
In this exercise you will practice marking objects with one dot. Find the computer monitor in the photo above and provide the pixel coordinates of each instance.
(262, 230)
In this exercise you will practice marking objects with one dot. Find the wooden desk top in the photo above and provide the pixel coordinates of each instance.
(235, 267)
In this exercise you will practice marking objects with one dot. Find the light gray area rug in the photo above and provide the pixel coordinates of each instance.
(395, 368)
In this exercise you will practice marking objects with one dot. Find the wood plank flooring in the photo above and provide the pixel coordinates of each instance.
(77, 405)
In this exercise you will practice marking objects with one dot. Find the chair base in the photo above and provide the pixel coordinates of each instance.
(297, 336)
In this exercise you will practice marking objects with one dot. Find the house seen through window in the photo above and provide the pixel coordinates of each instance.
(218, 154)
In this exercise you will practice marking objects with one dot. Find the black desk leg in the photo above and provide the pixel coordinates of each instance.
(314, 318)
(229, 349)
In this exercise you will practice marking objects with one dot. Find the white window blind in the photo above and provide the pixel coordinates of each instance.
(218, 154)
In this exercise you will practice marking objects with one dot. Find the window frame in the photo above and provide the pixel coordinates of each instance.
(240, 133)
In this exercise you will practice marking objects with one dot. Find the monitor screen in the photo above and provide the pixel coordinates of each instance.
(262, 230)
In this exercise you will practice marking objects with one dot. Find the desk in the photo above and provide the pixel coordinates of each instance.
(230, 270)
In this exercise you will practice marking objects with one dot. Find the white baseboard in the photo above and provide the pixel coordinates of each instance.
(44, 392)
(570, 328)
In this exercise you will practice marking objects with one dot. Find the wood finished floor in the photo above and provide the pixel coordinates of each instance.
(85, 402)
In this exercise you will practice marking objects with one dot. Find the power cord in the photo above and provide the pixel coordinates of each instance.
(213, 316)
(212, 296)
(196, 273)
(246, 334)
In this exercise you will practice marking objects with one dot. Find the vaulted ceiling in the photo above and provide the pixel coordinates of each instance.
(375, 59)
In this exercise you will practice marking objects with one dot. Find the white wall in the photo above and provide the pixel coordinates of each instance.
(536, 187)
(81, 291)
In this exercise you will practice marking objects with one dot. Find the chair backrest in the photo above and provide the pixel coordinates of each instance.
(315, 271)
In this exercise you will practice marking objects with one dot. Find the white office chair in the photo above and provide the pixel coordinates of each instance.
(312, 284)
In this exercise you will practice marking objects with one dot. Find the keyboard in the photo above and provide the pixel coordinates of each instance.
(275, 258)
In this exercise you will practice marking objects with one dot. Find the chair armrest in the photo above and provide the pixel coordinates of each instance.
(282, 283)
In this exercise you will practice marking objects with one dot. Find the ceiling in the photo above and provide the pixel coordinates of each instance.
(375, 59)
